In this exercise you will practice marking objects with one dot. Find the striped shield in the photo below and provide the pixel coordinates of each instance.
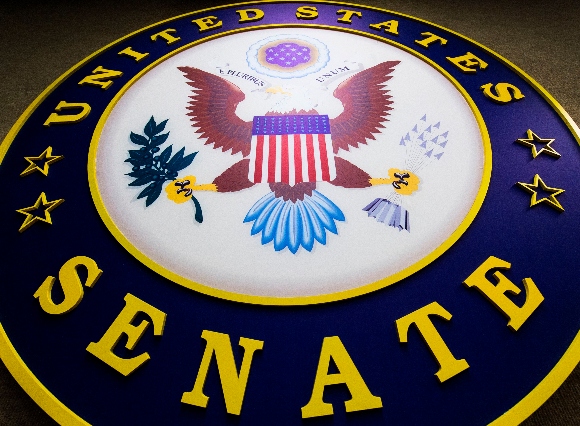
(291, 149)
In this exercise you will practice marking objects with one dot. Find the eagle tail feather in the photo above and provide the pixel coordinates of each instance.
(292, 224)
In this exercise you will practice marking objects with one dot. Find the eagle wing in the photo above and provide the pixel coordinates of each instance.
(366, 106)
(212, 108)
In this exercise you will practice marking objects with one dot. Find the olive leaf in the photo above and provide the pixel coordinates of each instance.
(153, 169)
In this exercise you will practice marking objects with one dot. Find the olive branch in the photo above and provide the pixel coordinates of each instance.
(152, 169)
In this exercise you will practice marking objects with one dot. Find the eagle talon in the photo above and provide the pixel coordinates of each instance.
(182, 189)
(401, 177)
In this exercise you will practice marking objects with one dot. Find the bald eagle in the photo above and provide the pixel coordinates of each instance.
(291, 151)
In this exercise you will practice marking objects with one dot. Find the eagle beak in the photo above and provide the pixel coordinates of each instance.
(277, 90)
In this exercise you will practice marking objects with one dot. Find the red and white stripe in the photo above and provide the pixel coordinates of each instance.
(291, 158)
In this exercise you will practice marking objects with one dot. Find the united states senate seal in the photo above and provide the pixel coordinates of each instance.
(291, 213)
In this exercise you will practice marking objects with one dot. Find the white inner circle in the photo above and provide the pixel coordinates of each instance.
(220, 252)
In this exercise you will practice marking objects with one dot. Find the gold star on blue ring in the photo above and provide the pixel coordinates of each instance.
(48, 159)
(31, 218)
(533, 188)
(534, 139)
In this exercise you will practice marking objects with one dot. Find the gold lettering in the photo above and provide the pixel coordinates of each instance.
(348, 14)
(166, 35)
(307, 12)
(55, 118)
(468, 62)
(496, 293)
(450, 366)
(71, 285)
(101, 77)
(250, 15)
(103, 349)
(505, 92)
(430, 38)
(390, 27)
(207, 23)
(133, 54)
(233, 384)
(362, 398)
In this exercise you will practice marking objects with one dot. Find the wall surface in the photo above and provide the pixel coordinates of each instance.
(40, 41)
